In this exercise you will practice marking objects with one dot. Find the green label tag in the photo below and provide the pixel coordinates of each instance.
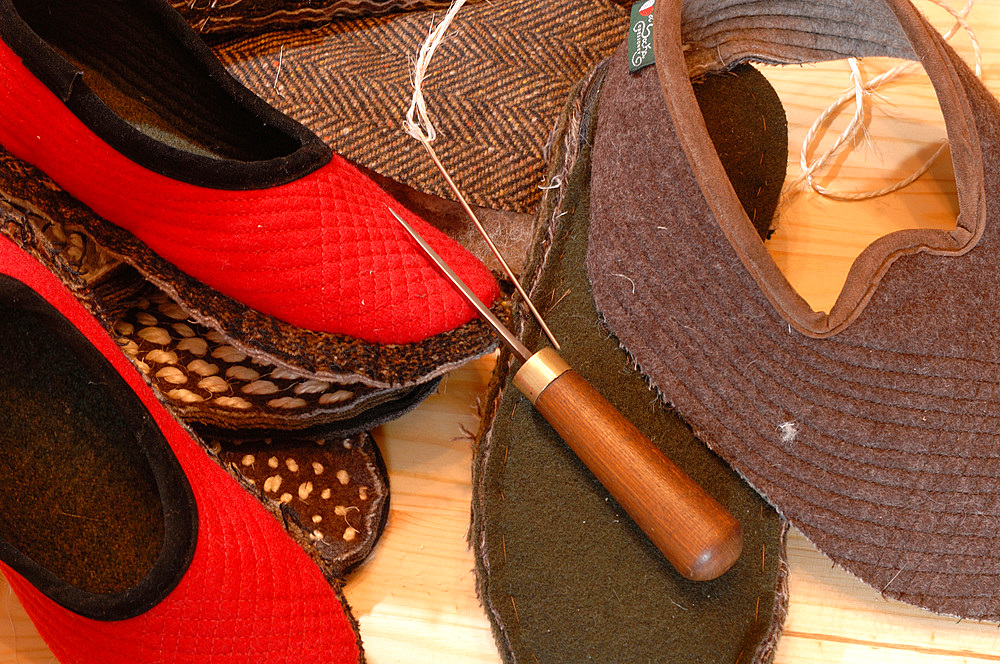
(640, 36)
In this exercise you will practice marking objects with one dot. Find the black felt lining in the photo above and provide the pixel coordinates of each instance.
(179, 517)
(144, 48)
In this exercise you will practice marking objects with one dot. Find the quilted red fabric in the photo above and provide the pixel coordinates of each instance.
(249, 595)
(322, 252)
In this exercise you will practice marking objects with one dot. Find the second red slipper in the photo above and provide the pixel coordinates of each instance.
(123, 540)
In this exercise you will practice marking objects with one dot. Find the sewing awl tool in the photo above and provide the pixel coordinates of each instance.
(692, 530)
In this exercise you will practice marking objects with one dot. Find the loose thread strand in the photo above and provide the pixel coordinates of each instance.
(418, 125)
(860, 91)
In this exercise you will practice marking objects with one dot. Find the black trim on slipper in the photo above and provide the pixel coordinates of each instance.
(179, 510)
(273, 149)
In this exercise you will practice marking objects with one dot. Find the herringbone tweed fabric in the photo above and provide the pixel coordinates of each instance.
(495, 87)
(210, 17)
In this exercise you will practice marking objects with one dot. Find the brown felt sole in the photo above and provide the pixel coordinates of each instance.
(563, 573)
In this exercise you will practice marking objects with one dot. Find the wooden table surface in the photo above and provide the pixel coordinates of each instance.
(415, 598)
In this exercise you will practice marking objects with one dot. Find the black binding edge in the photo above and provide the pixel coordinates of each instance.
(66, 82)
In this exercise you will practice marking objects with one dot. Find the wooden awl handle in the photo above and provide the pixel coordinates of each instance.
(693, 531)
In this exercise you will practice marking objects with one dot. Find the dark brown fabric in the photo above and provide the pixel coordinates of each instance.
(563, 573)
(97, 513)
(879, 441)
(496, 85)
(211, 18)
(80, 500)
(335, 488)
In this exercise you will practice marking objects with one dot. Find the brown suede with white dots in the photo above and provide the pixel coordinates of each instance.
(335, 488)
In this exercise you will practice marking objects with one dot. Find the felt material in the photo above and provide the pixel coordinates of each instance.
(244, 16)
(563, 573)
(264, 339)
(323, 355)
(69, 451)
(494, 89)
(197, 369)
(321, 252)
(335, 488)
(872, 428)
(28, 197)
(247, 594)
(176, 114)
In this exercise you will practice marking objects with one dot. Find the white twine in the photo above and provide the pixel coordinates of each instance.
(418, 123)
(857, 94)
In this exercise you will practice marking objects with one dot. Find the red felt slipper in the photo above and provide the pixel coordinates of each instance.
(124, 107)
(123, 540)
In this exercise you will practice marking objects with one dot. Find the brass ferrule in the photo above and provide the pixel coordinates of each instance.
(538, 371)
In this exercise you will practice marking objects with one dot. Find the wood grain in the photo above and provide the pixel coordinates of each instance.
(692, 530)
(415, 598)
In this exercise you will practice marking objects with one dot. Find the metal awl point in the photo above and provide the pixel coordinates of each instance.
(508, 337)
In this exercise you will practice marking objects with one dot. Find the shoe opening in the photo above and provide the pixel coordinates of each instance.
(79, 496)
(148, 75)
(825, 258)
(823, 226)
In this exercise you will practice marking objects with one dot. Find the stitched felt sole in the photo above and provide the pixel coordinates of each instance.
(564, 574)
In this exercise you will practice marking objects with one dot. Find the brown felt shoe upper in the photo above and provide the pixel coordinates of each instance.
(873, 428)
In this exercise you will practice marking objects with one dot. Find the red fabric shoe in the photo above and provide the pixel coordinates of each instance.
(123, 540)
(124, 107)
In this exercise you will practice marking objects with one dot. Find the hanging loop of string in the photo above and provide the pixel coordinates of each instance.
(418, 122)
(856, 127)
